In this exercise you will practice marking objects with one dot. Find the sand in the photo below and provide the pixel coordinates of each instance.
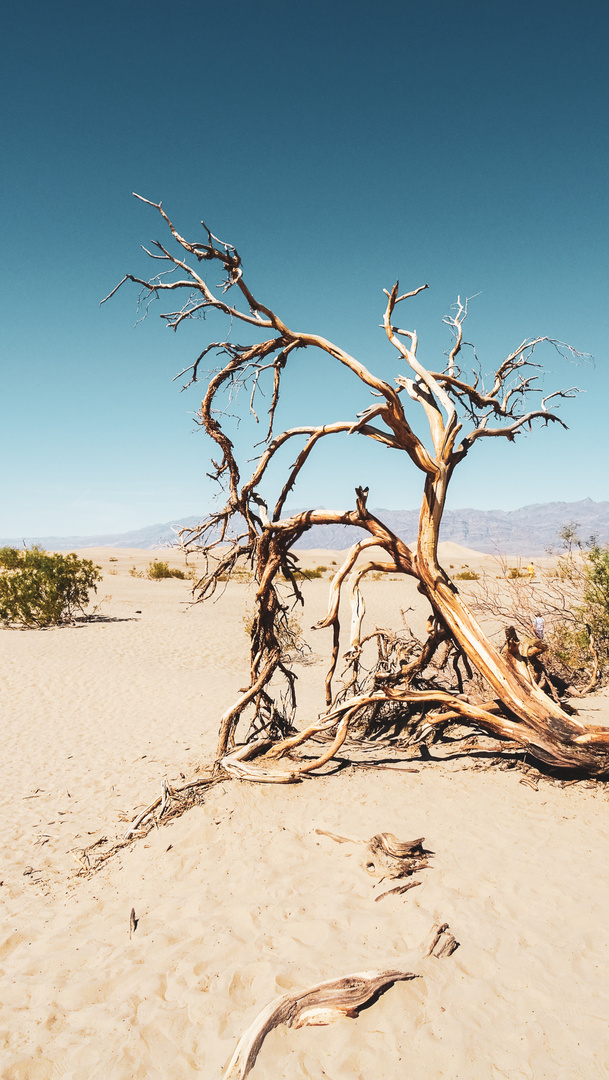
(241, 899)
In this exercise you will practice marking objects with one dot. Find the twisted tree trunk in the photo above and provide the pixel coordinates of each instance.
(460, 410)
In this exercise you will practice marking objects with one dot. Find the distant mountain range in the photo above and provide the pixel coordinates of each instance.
(532, 530)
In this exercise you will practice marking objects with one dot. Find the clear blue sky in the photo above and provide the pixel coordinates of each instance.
(339, 145)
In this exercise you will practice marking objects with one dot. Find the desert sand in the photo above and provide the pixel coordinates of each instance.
(241, 898)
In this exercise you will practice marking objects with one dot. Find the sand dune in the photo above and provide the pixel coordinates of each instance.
(240, 899)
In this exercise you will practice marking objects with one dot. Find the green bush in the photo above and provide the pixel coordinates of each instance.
(237, 573)
(583, 638)
(159, 570)
(10, 558)
(309, 575)
(38, 589)
(468, 575)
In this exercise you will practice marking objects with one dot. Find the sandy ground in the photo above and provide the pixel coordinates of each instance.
(240, 899)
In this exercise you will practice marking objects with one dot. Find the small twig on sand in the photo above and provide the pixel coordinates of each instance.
(399, 889)
(339, 839)
(148, 819)
(529, 783)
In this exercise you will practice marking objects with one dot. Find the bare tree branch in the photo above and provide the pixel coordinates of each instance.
(410, 680)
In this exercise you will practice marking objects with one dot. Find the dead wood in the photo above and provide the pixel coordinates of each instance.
(414, 687)
(332, 1000)
(338, 839)
(386, 857)
(171, 803)
(398, 890)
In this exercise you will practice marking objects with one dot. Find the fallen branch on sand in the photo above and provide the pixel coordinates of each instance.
(171, 803)
(398, 891)
(330, 1001)
(164, 800)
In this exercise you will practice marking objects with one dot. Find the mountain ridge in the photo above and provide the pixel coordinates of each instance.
(529, 530)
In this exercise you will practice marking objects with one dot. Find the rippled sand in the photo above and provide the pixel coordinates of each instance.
(240, 899)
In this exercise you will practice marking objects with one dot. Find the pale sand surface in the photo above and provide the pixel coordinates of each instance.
(240, 899)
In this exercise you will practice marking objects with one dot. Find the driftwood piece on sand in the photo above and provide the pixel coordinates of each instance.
(330, 1001)
(388, 857)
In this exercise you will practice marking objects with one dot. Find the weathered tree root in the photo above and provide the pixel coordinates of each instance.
(387, 857)
(235, 762)
(330, 1001)
(163, 803)
(171, 803)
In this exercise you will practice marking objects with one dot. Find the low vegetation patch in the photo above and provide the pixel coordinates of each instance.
(580, 640)
(158, 570)
(38, 589)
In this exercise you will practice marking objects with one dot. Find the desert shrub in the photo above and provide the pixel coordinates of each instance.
(309, 575)
(134, 572)
(468, 575)
(236, 574)
(10, 558)
(159, 570)
(514, 573)
(573, 599)
(585, 636)
(38, 589)
(569, 647)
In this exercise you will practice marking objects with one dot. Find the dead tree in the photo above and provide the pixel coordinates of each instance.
(461, 411)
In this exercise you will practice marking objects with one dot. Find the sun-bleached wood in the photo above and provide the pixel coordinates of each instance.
(461, 411)
(332, 1000)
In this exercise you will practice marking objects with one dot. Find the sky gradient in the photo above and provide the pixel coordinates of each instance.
(339, 146)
